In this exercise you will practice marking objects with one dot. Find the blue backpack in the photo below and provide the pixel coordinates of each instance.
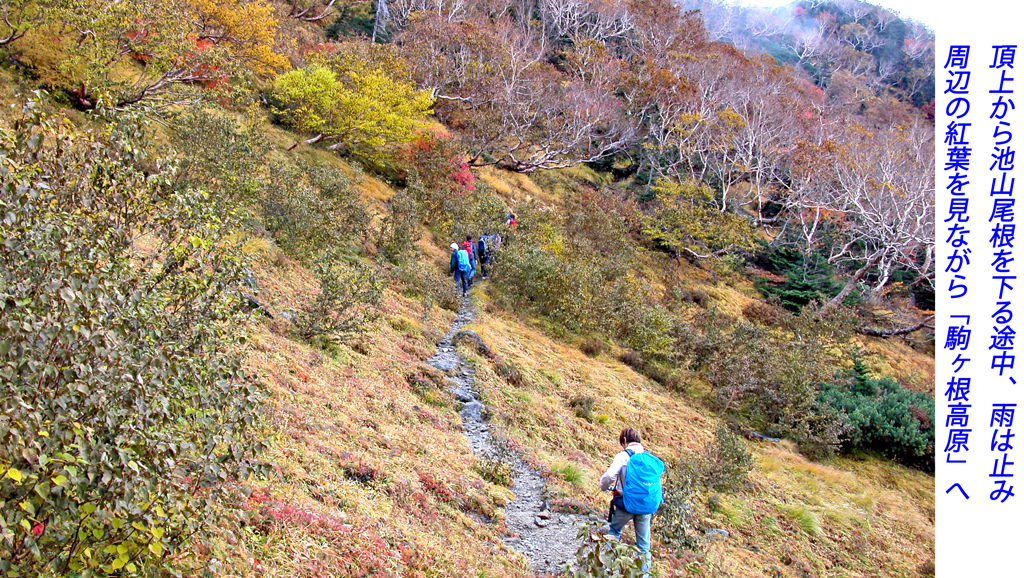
(641, 489)
(464, 265)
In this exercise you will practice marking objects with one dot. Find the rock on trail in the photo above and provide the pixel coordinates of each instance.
(547, 539)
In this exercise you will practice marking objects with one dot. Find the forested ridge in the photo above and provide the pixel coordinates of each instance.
(224, 286)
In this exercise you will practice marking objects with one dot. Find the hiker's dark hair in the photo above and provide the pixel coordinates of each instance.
(469, 237)
(629, 436)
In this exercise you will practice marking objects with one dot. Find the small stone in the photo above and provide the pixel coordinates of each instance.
(545, 515)
(716, 533)
(540, 522)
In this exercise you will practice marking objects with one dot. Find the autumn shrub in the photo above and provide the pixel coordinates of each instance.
(593, 346)
(345, 306)
(510, 372)
(691, 297)
(438, 179)
(632, 359)
(675, 522)
(312, 210)
(724, 464)
(426, 281)
(583, 406)
(399, 229)
(126, 415)
(763, 313)
(365, 474)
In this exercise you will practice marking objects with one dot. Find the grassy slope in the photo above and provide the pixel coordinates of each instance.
(375, 473)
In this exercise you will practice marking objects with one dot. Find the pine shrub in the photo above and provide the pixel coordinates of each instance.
(885, 418)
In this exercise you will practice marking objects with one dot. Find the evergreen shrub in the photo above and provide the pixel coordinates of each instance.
(885, 418)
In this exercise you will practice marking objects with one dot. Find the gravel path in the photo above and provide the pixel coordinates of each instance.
(547, 539)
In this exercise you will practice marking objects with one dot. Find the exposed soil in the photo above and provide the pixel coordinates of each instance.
(546, 539)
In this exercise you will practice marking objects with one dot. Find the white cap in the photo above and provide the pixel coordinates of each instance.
(454, 246)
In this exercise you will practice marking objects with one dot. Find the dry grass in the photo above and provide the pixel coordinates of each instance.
(837, 519)
(373, 472)
(896, 358)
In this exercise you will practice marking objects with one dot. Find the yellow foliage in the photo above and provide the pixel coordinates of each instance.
(250, 28)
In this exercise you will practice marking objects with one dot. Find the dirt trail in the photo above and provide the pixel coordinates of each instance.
(547, 539)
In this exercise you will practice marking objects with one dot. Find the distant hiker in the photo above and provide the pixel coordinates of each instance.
(635, 481)
(483, 253)
(511, 221)
(460, 268)
(470, 250)
(496, 242)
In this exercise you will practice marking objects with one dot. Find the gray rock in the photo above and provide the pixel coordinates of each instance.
(716, 533)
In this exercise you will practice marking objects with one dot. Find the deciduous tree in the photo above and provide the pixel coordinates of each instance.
(355, 105)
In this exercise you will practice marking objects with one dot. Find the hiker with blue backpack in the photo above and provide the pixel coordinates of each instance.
(634, 479)
(460, 267)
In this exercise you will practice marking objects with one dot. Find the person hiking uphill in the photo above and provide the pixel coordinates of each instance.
(460, 267)
(634, 479)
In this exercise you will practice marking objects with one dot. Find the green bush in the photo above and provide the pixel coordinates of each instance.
(498, 464)
(675, 524)
(220, 155)
(884, 418)
(808, 278)
(344, 307)
(770, 376)
(602, 556)
(312, 210)
(426, 281)
(399, 230)
(725, 463)
(124, 412)
(569, 472)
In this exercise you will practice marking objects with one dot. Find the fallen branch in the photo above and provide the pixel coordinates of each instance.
(886, 333)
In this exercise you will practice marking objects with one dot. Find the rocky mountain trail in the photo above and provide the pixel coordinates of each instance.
(548, 540)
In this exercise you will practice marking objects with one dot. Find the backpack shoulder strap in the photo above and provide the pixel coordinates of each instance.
(631, 452)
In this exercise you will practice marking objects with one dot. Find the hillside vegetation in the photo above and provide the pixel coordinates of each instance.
(225, 229)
